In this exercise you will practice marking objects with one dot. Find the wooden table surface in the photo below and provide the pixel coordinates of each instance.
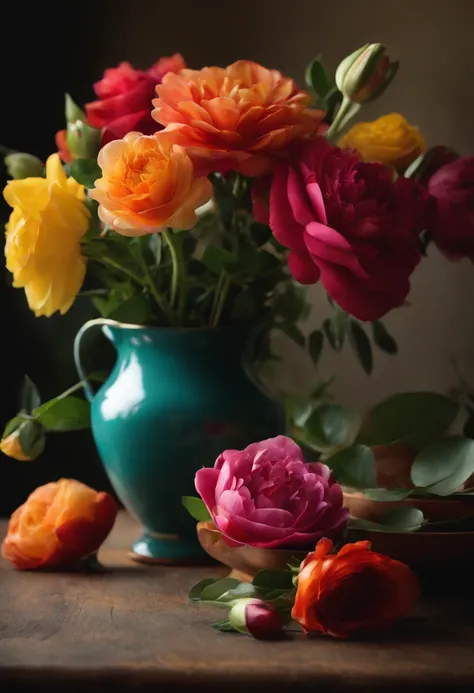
(132, 629)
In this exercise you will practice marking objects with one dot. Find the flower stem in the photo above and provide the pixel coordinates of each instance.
(221, 299)
(346, 109)
(176, 267)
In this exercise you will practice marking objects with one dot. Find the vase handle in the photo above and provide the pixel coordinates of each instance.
(97, 322)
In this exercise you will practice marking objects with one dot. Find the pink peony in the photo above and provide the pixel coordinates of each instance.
(268, 496)
(349, 225)
(451, 218)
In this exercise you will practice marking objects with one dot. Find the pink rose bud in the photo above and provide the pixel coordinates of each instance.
(256, 618)
(365, 74)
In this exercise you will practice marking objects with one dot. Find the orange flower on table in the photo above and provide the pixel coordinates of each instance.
(236, 118)
(58, 523)
(353, 591)
(148, 184)
(390, 140)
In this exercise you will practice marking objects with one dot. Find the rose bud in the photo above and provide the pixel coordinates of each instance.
(59, 523)
(365, 74)
(21, 165)
(256, 618)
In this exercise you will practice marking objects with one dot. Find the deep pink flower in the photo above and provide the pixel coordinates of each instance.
(256, 618)
(124, 98)
(451, 217)
(268, 496)
(349, 225)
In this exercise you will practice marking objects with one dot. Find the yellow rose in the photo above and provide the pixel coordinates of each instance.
(11, 446)
(389, 139)
(43, 235)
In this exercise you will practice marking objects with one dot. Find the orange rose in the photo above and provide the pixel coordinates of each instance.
(353, 591)
(59, 522)
(235, 118)
(147, 185)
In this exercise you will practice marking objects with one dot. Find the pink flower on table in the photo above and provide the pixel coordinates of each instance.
(268, 496)
(349, 225)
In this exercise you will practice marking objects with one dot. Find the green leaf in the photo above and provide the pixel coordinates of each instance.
(317, 78)
(320, 390)
(361, 345)
(98, 376)
(444, 465)
(63, 414)
(218, 259)
(404, 519)
(32, 438)
(339, 321)
(12, 425)
(330, 425)
(415, 418)
(293, 332)
(30, 397)
(383, 339)
(85, 171)
(242, 591)
(290, 304)
(218, 589)
(196, 591)
(271, 579)
(298, 408)
(354, 466)
(387, 494)
(315, 345)
(196, 508)
(72, 110)
(224, 626)
(328, 331)
(136, 310)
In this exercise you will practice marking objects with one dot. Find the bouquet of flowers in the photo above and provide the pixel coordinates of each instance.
(212, 197)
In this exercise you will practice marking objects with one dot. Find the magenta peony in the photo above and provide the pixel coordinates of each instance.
(268, 496)
(451, 217)
(349, 225)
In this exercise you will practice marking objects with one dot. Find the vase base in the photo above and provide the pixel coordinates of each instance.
(167, 550)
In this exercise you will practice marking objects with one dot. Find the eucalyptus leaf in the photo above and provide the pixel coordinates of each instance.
(329, 426)
(383, 339)
(443, 466)
(328, 331)
(339, 322)
(218, 589)
(415, 418)
(315, 345)
(361, 345)
(196, 508)
(387, 494)
(298, 408)
(196, 591)
(403, 519)
(354, 466)
(63, 414)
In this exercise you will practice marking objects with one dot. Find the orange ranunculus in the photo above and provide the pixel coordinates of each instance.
(352, 591)
(58, 523)
(148, 184)
(235, 118)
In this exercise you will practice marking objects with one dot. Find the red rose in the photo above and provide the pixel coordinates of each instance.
(349, 225)
(451, 217)
(125, 96)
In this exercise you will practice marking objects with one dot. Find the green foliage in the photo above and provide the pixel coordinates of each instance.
(329, 426)
(403, 519)
(444, 465)
(415, 418)
(383, 339)
(30, 397)
(196, 508)
(315, 345)
(85, 171)
(63, 414)
(354, 466)
(32, 438)
(361, 345)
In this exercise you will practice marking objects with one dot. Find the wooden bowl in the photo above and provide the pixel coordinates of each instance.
(436, 509)
(245, 561)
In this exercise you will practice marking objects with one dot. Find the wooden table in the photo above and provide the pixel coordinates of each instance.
(132, 629)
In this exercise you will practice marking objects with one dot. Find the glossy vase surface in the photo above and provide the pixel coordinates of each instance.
(176, 398)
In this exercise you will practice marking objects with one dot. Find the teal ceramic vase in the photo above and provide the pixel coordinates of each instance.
(176, 398)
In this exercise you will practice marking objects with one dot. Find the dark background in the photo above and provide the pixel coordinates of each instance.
(50, 48)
